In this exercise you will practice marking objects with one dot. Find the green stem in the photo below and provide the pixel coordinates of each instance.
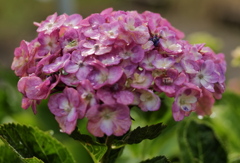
(108, 143)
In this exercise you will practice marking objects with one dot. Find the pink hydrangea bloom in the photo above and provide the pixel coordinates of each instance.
(148, 101)
(206, 76)
(205, 103)
(87, 93)
(67, 108)
(21, 59)
(70, 39)
(108, 62)
(117, 93)
(78, 65)
(52, 23)
(101, 75)
(134, 52)
(170, 81)
(34, 90)
(109, 120)
(48, 43)
(185, 101)
(141, 79)
(73, 21)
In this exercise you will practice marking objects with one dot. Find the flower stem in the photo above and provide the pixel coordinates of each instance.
(108, 143)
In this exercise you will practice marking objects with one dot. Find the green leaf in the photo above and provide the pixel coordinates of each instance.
(95, 149)
(32, 160)
(8, 155)
(158, 159)
(199, 144)
(139, 134)
(30, 142)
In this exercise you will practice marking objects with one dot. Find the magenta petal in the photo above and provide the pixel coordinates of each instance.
(207, 67)
(67, 108)
(128, 67)
(178, 116)
(54, 106)
(83, 72)
(190, 66)
(108, 119)
(168, 89)
(106, 96)
(95, 129)
(73, 20)
(34, 88)
(65, 125)
(180, 79)
(26, 103)
(124, 97)
(142, 80)
(138, 54)
(212, 78)
(114, 74)
(72, 95)
(98, 77)
(70, 80)
(109, 59)
(103, 50)
(96, 19)
(71, 68)
(21, 59)
(148, 60)
(140, 35)
(149, 101)
(72, 116)
(208, 86)
(59, 63)
(205, 103)
(162, 62)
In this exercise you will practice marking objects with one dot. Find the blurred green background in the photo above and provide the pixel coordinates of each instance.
(215, 22)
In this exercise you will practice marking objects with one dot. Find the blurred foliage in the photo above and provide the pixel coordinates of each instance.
(200, 144)
(225, 122)
(236, 57)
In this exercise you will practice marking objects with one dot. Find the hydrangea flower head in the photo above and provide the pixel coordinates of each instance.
(100, 66)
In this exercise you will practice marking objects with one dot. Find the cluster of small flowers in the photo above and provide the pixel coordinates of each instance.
(101, 66)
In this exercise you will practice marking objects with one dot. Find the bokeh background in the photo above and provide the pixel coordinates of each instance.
(216, 22)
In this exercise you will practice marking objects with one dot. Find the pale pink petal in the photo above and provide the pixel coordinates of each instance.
(107, 127)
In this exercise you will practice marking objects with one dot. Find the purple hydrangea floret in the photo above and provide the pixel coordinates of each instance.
(101, 66)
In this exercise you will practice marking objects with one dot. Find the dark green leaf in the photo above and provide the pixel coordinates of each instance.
(95, 149)
(158, 159)
(142, 133)
(114, 154)
(29, 142)
(199, 144)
